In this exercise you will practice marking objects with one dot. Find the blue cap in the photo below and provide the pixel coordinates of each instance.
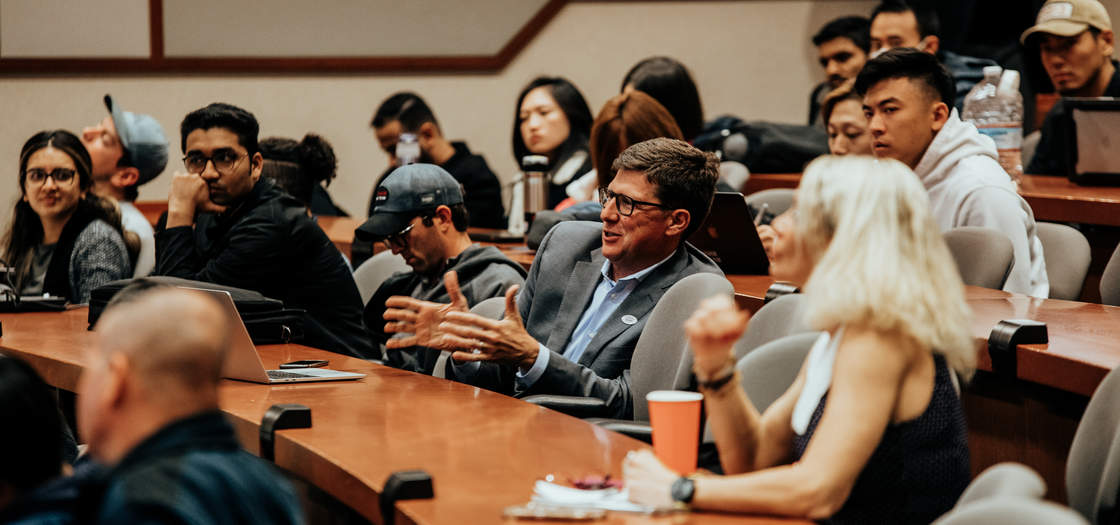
(405, 193)
(143, 141)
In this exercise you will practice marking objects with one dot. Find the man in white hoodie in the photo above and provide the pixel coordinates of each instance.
(908, 100)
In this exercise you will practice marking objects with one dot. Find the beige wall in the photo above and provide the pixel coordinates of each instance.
(750, 58)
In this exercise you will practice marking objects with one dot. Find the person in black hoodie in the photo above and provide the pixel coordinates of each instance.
(408, 113)
(227, 226)
(420, 215)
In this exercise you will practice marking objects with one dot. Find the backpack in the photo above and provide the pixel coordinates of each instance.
(763, 147)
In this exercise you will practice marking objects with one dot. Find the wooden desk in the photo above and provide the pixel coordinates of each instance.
(340, 230)
(1059, 200)
(484, 450)
(1052, 198)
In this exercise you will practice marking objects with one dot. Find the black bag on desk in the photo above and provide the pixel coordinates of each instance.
(764, 147)
(266, 319)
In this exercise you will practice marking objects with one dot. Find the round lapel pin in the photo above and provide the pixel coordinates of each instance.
(629, 319)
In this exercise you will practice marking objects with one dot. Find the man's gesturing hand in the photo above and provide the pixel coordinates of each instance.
(482, 339)
(422, 318)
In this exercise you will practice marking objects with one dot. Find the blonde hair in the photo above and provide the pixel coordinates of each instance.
(880, 260)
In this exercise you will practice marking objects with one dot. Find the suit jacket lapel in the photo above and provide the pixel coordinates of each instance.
(638, 304)
(577, 294)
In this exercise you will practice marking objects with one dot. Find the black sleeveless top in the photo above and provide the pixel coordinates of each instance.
(918, 470)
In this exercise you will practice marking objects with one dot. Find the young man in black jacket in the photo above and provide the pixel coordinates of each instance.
(419, 214)
(227, 226)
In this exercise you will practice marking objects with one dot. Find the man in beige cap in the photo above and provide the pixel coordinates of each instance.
(1075, 41)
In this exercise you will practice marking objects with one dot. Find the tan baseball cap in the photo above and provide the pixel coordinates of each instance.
(1069, 18)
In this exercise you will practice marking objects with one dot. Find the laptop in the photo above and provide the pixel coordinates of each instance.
(1091, 149)
(730, 238)
(244, 364)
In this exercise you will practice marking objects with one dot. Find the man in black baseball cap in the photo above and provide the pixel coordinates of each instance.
(419, 215)
(128, 150)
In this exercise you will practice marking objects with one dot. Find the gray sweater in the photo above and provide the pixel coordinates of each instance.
(99, 256)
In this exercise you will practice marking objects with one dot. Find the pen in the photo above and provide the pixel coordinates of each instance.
(761, 213)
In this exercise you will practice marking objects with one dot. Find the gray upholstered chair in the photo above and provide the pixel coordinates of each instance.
(734, 174)
(776, 319)
(767, 372)
(375, 270)
(1067, 256)
(662, 359)
(1110, 280)
(492, 308)
(1093, 466)
(777, 200)
(1004, 480)
(1019, 511)
(984, 256)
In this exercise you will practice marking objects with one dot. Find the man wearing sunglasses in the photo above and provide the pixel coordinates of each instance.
(228, 226)
(420, 215)
(571, 329)
(128, 150)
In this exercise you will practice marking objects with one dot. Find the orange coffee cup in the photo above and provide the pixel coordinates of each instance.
(675, 418)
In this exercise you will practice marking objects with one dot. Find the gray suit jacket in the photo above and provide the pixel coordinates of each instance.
(561, 282)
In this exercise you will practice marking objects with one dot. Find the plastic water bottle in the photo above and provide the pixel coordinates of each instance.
(995, 107)
(1011, 152)
(408, 149)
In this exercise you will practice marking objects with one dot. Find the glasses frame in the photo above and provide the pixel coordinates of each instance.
(53, 174)
(210, 160)
(625, 203)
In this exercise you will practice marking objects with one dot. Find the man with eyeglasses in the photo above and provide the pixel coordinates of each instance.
(571, 329)
(419, 214)
(128, 150)
(227, 225)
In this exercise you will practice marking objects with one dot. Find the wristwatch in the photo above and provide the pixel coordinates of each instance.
(683, 489)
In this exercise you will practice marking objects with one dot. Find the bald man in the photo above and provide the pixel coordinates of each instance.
(148, 408)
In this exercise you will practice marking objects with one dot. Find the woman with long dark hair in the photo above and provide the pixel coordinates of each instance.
(63, 240)
(552, 119)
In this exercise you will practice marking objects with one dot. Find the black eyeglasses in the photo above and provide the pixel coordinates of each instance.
(623, 203)
(224, 161)
(38, 176)
(399, 239)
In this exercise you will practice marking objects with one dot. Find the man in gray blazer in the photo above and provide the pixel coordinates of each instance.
(572, 328)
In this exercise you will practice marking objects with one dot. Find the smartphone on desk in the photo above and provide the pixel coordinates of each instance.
(306, 363)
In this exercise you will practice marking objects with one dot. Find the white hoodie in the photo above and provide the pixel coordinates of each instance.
(967, 187)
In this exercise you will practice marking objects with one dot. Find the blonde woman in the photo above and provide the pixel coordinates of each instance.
(872, 430)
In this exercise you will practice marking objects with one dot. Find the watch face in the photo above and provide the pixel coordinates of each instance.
(682, 489)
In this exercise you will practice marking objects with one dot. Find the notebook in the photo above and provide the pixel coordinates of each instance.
(729, 237)
(244, 364)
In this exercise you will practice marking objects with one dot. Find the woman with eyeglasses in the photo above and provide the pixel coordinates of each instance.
(872, 429)
(63, 240)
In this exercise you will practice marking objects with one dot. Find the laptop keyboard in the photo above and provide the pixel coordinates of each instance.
(281, 374)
